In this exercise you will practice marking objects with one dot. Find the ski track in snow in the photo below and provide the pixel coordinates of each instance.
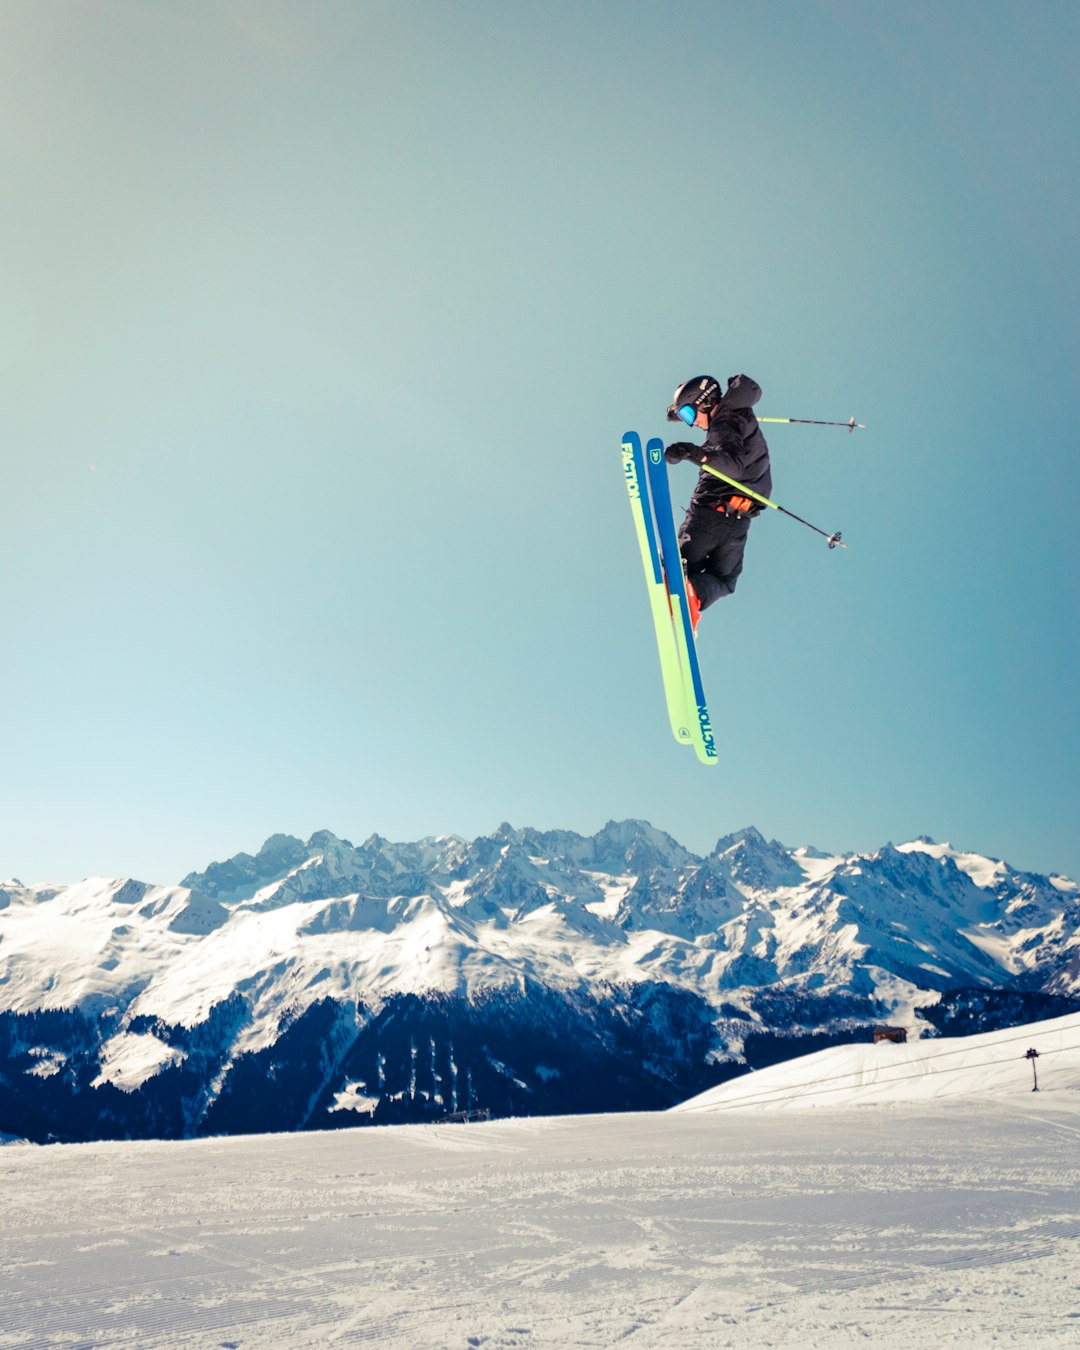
(898, 1224)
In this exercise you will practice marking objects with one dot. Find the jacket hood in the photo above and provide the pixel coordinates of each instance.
(742, 392)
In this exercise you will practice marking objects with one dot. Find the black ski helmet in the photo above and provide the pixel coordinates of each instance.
(702, 393)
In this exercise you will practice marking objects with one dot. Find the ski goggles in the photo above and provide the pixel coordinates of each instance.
(686, 412)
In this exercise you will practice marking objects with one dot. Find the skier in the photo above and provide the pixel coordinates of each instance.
(713, 535)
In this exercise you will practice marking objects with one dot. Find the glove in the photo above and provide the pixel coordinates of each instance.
(675, 454)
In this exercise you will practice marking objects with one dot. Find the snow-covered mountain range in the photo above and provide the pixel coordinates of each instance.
(524, 971)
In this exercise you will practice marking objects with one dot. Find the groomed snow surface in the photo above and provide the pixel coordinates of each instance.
(893, 1211)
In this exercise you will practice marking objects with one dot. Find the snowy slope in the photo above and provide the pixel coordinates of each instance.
(894, 1226)
(992, 1064)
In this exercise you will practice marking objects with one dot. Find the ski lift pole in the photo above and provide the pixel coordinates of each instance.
(851, 424)
(833, 540)
(1033, 1055)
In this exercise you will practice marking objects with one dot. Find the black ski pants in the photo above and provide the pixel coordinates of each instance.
(712, 546)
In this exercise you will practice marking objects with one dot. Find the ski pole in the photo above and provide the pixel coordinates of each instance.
(851, 424)
(833, 540)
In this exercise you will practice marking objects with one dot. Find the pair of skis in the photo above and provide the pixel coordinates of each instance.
(650, 503)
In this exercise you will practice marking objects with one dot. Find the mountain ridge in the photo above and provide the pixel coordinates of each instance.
(652, 963)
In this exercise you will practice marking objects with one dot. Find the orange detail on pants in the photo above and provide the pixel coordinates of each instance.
(693, 605)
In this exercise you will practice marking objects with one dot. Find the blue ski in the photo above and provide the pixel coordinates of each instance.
(685, 639)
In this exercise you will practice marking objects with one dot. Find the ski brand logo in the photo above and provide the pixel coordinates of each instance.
(633, 486)
(706, 731)
(656, 453)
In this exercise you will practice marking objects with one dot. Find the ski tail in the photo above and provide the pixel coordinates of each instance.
(672, 666)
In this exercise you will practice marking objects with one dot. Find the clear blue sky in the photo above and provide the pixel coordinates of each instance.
(323, 322)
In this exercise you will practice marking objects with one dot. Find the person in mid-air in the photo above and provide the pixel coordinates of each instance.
(712, 539)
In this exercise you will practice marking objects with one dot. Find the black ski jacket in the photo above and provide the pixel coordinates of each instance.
(734, 445)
